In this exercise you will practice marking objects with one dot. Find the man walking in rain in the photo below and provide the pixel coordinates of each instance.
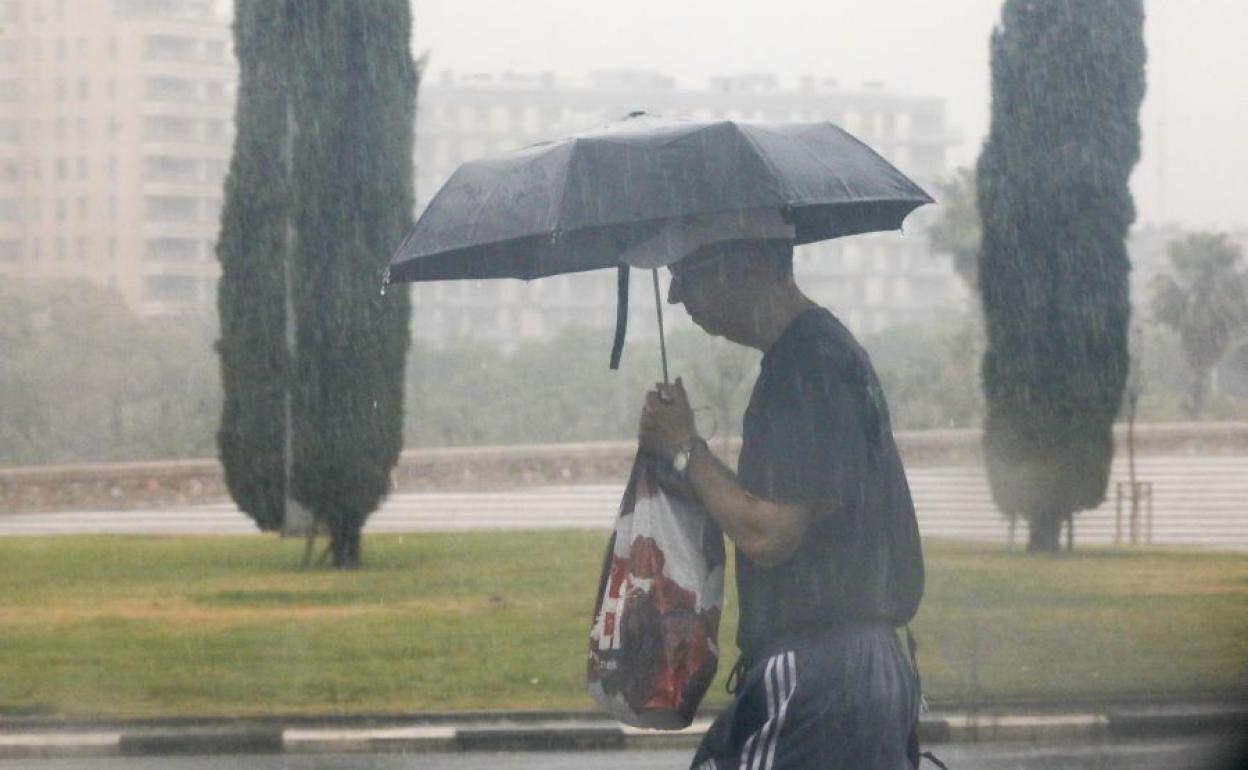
(829, 562)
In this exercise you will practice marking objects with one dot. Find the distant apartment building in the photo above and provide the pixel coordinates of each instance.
(870, 281)
(116, 125)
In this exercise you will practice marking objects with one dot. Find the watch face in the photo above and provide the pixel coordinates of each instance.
(680, 460)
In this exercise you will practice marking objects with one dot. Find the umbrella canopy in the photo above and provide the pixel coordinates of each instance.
(590, 200)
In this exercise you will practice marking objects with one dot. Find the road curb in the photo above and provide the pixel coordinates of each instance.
(535, 738)
(37, 745)
(1139, 724)
(239, 740)
(1024, 729)
(593, 735)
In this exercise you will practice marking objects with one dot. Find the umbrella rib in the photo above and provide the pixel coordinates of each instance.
(557, 214)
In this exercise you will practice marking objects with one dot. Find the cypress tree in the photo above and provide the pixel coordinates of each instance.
(252, 251)
(353, 82)
(1067, 82)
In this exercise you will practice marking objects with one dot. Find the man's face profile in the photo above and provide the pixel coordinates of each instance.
(716, 283)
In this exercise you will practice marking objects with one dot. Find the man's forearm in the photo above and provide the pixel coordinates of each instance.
(766, 531)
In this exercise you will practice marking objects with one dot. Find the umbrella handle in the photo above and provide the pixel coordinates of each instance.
(658, 306)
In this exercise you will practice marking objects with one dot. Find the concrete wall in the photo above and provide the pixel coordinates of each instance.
(120, 486)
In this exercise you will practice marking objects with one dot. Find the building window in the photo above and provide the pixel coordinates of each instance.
(169, 128)
(214, 170)
(169, 47)
(112, 248)
(170, 89)
(10, 210)
(62, 169)
(10, 131)
(82, 128)
(60, 249)
(171, 250)
(171, 208)
(164, 168)
(62, 210)
(84, 89)
(82, 207)
(82, 168)
(82, 249)
(10, 171)
(214, 130)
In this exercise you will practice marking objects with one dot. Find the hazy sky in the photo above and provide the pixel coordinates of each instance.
(1195, 117)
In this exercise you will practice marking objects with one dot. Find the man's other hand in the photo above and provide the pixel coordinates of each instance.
(666, 420)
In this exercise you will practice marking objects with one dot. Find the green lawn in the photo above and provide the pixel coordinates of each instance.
(151, 626)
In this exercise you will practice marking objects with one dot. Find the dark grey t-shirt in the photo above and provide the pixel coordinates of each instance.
(817, 431)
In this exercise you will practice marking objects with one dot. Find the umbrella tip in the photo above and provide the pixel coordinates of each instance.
(635, 114)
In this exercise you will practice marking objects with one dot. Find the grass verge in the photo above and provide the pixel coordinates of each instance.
(122, 626)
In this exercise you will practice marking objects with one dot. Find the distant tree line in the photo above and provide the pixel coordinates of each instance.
(85, 380)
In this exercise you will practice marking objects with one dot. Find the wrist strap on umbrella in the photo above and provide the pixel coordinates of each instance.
(621, 315)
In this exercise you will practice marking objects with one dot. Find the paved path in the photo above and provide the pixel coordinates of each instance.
(1197, 500)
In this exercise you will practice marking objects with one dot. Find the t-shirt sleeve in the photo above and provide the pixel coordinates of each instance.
(813, 448)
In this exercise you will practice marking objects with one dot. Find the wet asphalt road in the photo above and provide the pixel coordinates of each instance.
(1204, 754)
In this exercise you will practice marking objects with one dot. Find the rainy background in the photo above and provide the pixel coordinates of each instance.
(117, 129)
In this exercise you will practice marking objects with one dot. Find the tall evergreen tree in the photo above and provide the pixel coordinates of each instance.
(252, 249)
(354, 89)
(1067, 82)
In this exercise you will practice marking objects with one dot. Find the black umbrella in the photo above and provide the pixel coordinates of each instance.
(621, 194)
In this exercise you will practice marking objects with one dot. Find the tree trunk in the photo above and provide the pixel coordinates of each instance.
(1045, 532)
(1197, 403)
(116, 422)
(346, 548)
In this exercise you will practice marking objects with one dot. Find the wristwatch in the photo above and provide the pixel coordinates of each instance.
(680, 461)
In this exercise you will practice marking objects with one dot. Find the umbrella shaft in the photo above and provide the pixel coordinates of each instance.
(658, 306)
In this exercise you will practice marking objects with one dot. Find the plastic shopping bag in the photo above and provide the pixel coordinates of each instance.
(652, 647)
